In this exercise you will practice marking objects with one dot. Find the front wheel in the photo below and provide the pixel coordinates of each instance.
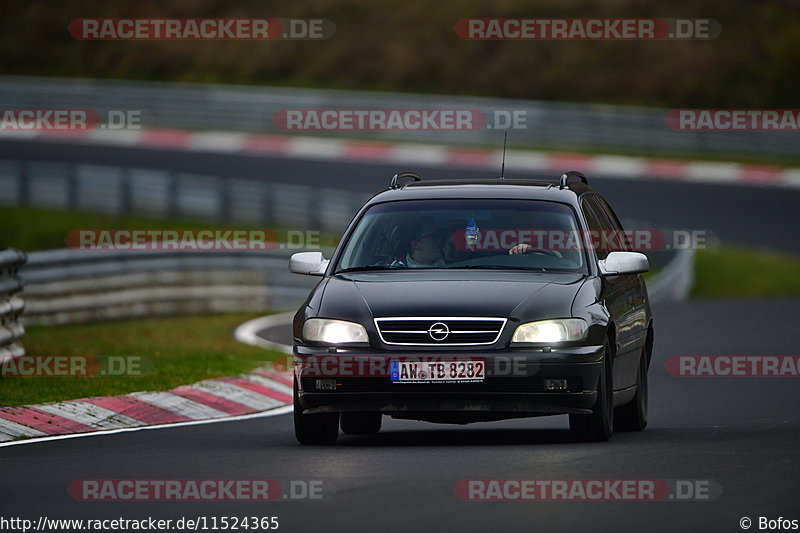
(320, 428)
(597, 427)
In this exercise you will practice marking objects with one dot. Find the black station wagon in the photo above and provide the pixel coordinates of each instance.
(458, 301)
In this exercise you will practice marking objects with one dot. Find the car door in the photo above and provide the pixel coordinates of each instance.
(610, 293)
(628, 297)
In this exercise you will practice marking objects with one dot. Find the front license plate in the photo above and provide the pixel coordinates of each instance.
(472, 371)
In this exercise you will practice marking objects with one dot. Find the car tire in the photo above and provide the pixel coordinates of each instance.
(360, 423)
(633, 415)
(598, 426)
(322, 428)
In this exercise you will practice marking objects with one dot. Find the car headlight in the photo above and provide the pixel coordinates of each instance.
(333, 331)
(561, 330)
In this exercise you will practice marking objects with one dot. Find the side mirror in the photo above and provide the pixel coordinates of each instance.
(618, 263)
(310, 263)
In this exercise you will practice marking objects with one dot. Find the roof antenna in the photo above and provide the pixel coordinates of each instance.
(503, 165)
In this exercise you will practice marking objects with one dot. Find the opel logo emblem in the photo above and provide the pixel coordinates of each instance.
(438, 331)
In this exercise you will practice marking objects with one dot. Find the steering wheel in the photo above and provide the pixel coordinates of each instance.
(528, 249)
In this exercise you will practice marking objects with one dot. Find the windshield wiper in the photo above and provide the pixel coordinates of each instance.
(366, 268)
(499, 267)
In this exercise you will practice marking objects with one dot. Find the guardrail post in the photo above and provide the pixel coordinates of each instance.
(73, 187)
(24, 183)
(172, 195)
(125, 201)
(267, 214)
(314, 218)
(224, 188)
(11, 305)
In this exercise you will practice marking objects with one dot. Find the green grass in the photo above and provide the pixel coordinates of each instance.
(30, 228)
(179, 350)
(731, 272)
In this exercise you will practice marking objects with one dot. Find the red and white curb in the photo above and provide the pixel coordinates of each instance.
(408, 153)
(225, 398)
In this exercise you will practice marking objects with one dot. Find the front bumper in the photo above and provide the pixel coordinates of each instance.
(514, 382)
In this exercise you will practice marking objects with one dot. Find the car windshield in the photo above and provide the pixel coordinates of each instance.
(465, 233)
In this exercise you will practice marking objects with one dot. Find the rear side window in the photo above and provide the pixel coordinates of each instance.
(618, 241)
(598, 225)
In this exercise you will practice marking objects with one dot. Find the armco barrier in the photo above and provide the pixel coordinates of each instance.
(67, 286)
(162, 194)
(11, 304)
(674, 282)
(561, 125)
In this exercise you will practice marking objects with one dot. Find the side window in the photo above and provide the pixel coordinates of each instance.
(617, 241)
(597, 226)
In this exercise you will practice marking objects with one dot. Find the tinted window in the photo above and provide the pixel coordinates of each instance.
(616, 240)
(466, 233)
(598, 225)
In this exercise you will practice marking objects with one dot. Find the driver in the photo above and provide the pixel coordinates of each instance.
(424, 248)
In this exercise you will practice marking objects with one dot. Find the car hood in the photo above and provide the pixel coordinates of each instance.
(522, 295)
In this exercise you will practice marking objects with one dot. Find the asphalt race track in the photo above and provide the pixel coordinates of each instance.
(756, 216)
(742, 434)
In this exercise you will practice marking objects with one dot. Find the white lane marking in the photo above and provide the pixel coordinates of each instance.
(178, 404)
(90, 415)
(270, 383)
(418, 154)
(315, 148)
(231, 392)
(619, 166)
(116, 137)
(790, 177)
(526, 161)
(20, 134)
(12, 428)
(701, 171)
(246, 333)
(217, 141)
(274, 412)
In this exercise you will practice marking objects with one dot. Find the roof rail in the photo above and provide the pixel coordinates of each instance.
(572, 174)
(413, 175)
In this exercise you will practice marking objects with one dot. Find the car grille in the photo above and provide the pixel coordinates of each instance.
(457, 331)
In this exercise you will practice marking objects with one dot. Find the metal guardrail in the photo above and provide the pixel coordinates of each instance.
(11, 304)
(243, 108)
(163, 194)
(66, 286)
(674, 282)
